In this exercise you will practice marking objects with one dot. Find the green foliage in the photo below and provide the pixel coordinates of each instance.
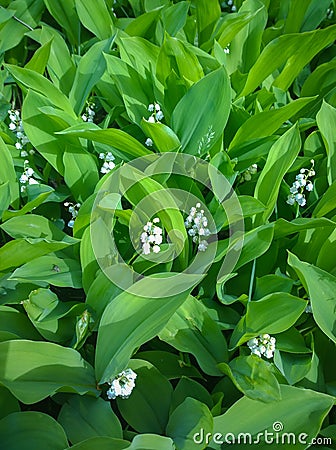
(167, 212)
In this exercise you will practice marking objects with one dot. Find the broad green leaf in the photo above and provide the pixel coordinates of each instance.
(280, 158)
(51, 269)
(326, 121)
(21, 251)
(320, 81)
(127, 146)
(169, 364)
(53, 319)
(286, 309)
(191, 329)
(143, 25)
(320, 286)
(164, 138)
(266, 123)
(300, 411)
(132, 319)
(174, 17)
(7, 172)
(12, 31)
(253, 377)
(138, 53)
(327, 202)
(44, 369)
(61, 68)
(101, 443)
(188, 419)
(64, 12)
(151, 395)
(80, 173)
(151, 442)
(192, 119)
(190, 388)
(175, 55)
(5, 197)
(15, 325)
(39, 60)
(34, 226)
(43, 192)
(293, 367)
(8, 403)
(95, 17)
(38, 83)
(89, 71)
(293, 52)
(85, 417)
(207, 14)
(284, 228)
(31, 430)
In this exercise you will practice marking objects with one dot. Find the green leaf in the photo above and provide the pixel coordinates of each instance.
(86, 417)
(143, 25)
(101, 443)
(174, 17)
(128, 147)
(44, 369)
(133, 320)
(31, 430)
(34, 226)
(21, 251)
(64, 12)
(67, 274)
(35, 81)
(191, 329)
(320, 286)
(207, 14)
(188, 419)
(15, 325)
(5, 197)
(175, 55)
(164, 138)
(266, 123)
(193, 120)
(327, 202)
(89, 71)
(299, 411)
(293, 52)
(326, 121)
(80, 173)
(39, 60)
(253, 377)
(7, 172)
(286, 309)
(280, 158)
(96, 18)
(151, 442)
(8, 403)
(293, 367)
(190, 388)
(41, 191)
(151, 395)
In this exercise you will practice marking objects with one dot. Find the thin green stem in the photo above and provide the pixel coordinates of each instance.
(252, 279)
(20, 21)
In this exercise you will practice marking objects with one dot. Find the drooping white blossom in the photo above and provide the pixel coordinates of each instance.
(73, 209)
(301, 183)
(108, 163)
(89, 113)
(151, 237)
(17, 128)
(27, 177)
(197, 225)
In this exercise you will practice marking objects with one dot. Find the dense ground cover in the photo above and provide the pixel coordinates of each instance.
(167, 232)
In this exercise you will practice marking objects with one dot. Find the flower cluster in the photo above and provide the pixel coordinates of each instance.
(122, 385)
(108, 163)
(233, 7)
(151, 237)
(17, 128)
(73, 210)
(89, 113)
(247, 175)
(301, 183)
(157, 114)
(262, 345)
(27, 177)
(197, 224)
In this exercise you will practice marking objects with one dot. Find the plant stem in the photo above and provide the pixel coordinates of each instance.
(252, 279)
